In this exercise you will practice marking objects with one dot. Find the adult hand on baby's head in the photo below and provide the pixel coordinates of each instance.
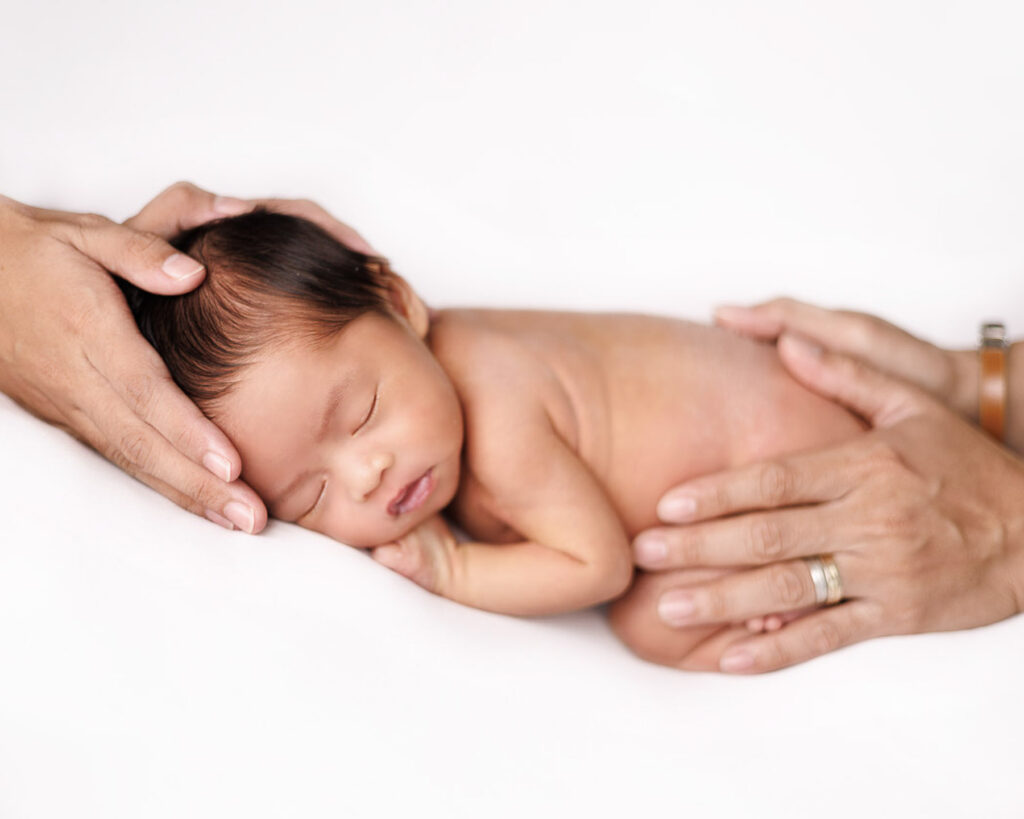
(183, 206)
(71, 354)
(949, 375)
(924, 516)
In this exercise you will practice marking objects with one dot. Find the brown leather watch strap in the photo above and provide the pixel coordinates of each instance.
(992, 381)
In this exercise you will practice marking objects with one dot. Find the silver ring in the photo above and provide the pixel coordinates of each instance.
(832, 580)
(817, 569)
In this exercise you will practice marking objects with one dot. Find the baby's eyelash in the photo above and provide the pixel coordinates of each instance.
(369, 415)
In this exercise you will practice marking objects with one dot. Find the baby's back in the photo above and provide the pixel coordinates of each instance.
(646, 402)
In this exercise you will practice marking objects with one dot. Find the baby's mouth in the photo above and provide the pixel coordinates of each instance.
(412, 496)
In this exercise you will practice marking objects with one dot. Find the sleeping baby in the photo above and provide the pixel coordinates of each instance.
(547, 437)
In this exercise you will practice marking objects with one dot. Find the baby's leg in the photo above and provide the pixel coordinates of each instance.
(634, 618)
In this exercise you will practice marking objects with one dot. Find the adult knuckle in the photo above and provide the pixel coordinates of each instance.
(861, 330)
(142, 243)
(140, 390)
(204, 492)
(775, 483)
(714, 605)
(91, 221)
(136, 448)
(789, 585)
(81, 315)
(118, 459)
(824, 637)
(775, 654)
(181, 191)
(690, 548)
(766, 540)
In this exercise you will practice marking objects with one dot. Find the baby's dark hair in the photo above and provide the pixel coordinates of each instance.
(271, 279)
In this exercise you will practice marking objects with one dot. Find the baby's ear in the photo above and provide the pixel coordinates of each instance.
(408, 305)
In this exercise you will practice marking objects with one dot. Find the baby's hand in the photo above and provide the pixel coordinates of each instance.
(426, 555)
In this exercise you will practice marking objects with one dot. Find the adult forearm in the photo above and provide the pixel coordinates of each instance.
(964, 394)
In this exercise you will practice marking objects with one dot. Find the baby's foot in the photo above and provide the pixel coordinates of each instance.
(772, 622)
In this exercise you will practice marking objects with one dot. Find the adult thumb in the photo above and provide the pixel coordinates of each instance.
(879, 399)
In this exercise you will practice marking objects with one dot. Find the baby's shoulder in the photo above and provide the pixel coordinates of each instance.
(506, 388)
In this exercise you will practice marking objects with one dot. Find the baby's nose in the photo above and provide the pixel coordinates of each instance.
(371, 474)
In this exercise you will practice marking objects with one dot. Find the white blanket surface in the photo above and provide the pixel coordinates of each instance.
(642, 156)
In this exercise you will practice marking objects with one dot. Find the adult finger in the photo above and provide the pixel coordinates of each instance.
(752, 539)
(879, 399)
(141, 451)
(183, 206)
(142, 258)
(804, 639)
(780, 587)
(811, 477)
(80, 426)
(840, 330)
(307, 209)
(134, 370)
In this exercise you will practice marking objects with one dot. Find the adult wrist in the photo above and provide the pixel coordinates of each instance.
(1014, 437)
(963, 396)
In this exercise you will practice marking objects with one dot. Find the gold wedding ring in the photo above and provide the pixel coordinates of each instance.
(832, 580)
(828, 586)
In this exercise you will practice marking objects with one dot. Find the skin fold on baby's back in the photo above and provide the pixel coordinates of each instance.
(646, 402)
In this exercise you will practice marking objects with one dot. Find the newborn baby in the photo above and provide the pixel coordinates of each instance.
(547, 437)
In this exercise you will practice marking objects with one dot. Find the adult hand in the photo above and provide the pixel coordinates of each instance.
(70, 352)
(949, 375)
(924, 516)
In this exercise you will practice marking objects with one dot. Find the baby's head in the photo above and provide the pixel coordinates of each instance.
(312, 358)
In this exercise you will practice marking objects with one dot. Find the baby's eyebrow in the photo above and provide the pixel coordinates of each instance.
(333, 399)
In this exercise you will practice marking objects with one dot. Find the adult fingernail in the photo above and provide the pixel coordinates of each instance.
(220, 520)
(179, 266)
(676, 608)
(230, 206)
(651, 550)
(739, 660)
(241, 515)
(677, 508)
(218, 465)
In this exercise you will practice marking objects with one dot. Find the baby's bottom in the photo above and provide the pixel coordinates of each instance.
(634, 618)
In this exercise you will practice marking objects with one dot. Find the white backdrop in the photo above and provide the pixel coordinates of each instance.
(660, 156)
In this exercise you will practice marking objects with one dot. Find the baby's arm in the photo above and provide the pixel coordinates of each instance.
(576, 555)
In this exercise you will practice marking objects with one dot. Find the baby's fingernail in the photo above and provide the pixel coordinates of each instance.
(179, 266)
(677, 508)
(230, 206)
(241, 515)
(739, 660)
(801, 345)
(218, 465)
(675, 608)
(219, 519)
(651, 550)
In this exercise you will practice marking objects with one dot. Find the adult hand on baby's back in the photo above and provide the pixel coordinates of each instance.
(70, 352)
(924, 516)
(949, 375)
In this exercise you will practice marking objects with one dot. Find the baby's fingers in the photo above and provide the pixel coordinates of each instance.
(801, 640)
(409, 560)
